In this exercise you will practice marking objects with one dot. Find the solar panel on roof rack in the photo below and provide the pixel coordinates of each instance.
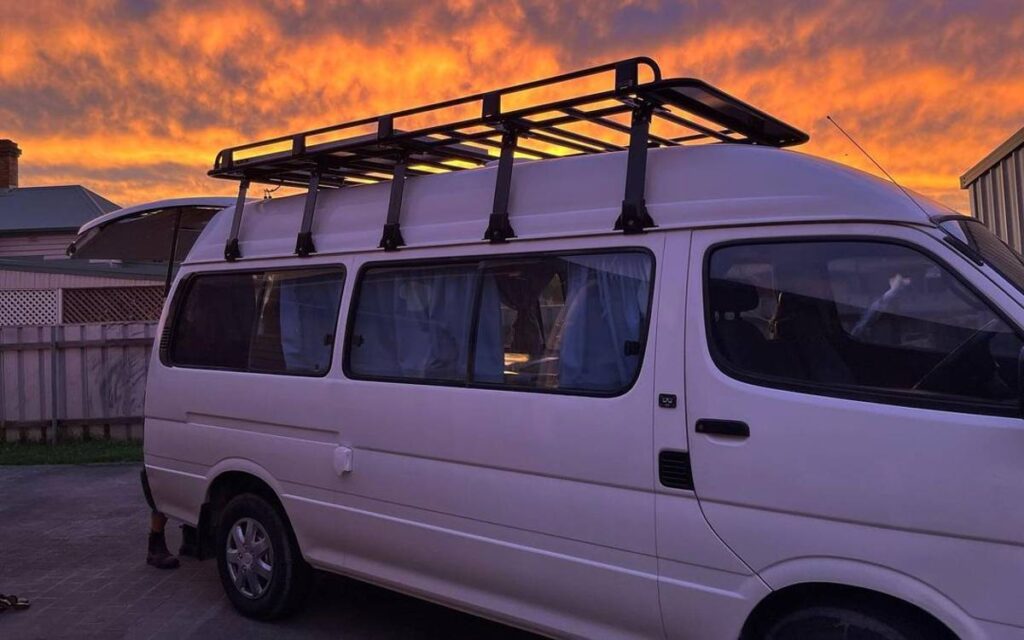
(661, 112)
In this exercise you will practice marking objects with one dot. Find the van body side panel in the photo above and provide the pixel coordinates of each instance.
(931, 494)
(204, 422)
(706, 591)
(525, 504)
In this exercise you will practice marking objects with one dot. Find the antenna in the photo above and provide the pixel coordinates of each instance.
(880, 167)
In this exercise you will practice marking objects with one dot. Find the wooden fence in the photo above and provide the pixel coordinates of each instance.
(99, 388)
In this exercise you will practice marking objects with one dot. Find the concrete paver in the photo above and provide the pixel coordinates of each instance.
(73, 538)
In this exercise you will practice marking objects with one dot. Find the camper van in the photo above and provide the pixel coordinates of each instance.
(608, 364)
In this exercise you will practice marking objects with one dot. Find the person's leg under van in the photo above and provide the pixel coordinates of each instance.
(157, 555)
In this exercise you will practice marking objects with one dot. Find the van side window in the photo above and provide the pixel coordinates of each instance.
(266, 322)
(575, 323)
(858, 316)
(571, 322)
(413, 322)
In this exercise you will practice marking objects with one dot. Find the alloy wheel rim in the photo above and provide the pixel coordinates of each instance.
(250, 558)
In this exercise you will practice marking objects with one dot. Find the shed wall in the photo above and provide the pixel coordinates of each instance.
(997, 198)
(10, 279)
(48, 244)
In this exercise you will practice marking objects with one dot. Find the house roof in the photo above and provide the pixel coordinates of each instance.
(989, 161)
(106, 269)
(49, 209)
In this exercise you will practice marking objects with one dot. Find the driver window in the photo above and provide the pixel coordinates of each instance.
(873, 316)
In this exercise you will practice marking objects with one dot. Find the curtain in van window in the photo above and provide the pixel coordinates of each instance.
(489, 364)
(414, 322)
(308, 314)
(606, 308)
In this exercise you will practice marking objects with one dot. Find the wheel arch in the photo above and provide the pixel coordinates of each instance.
(226, 480)
(804, 579)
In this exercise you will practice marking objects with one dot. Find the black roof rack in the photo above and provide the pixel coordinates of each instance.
(376, 149)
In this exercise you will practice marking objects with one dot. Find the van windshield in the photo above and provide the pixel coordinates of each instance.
(996, 253)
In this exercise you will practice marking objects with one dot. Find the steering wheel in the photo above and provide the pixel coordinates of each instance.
(979, 336)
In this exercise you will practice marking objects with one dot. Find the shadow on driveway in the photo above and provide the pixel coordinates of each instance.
(72, 540)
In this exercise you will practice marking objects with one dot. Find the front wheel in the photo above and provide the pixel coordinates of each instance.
(849, 621)
(260, 565)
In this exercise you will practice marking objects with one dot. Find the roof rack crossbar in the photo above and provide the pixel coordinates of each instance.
(598, 117)
(634, 217)
(232, 251)
(304, 241)
(520, 148)
(391, 239)
(579, 137)
(699, 128)
(499, 229)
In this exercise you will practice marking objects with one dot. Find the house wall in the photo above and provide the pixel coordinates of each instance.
(10, 280)
(47, 244)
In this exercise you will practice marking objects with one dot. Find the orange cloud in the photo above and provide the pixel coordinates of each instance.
(135, 98)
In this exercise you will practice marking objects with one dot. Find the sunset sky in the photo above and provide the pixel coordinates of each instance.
(134, 98)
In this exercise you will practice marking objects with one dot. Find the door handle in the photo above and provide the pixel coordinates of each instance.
(342, 460)
(728, 428)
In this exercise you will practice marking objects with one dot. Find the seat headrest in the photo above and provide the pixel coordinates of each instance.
(729, 296)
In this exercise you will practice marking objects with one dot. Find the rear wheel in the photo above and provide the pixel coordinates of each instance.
(260, 565)
(851, 621)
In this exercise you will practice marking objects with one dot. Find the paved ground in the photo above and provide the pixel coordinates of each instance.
(72, 540)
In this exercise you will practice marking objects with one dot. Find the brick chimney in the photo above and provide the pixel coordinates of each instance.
(9, 153)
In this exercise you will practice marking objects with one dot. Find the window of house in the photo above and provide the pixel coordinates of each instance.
(266, 322)
(556, 322)
(858, 315)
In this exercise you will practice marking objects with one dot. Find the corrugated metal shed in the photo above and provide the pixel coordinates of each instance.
(49, 209)
(996, 186)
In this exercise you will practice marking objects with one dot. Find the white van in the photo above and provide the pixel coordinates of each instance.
(680, 390)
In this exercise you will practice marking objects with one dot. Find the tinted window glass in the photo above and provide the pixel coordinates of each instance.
(876, 316)
(570, 322)
(413, 322)
(271, 322)
(214, 324)
(575, 322)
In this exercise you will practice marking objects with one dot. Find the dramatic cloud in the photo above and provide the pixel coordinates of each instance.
(133, 98)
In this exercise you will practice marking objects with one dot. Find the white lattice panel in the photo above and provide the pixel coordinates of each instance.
(28, 307)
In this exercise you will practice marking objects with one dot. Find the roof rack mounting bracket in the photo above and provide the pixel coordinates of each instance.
(232, 251)
(304, 241)
(634, 217)
(392, 238)
(499, 229)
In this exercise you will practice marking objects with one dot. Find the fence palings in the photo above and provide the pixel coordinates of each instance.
(100, 377)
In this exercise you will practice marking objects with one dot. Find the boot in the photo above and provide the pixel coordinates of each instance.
(158, 555)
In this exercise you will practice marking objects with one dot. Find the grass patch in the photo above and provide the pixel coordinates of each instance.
(71, 452)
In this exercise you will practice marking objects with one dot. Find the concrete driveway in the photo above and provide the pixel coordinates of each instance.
(72, 540)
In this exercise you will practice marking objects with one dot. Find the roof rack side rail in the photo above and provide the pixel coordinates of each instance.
(232, 251)
(304, 241)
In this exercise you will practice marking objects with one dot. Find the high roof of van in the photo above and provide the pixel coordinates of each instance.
(687, 187)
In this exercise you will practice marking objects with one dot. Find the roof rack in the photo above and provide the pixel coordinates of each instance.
(374, 150)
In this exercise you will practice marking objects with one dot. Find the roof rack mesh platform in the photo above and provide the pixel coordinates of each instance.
(470, 132)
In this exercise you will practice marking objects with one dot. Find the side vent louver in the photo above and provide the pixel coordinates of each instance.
(674, 469)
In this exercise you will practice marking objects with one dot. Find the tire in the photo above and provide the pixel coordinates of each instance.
(843, 620)
(260, 565)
